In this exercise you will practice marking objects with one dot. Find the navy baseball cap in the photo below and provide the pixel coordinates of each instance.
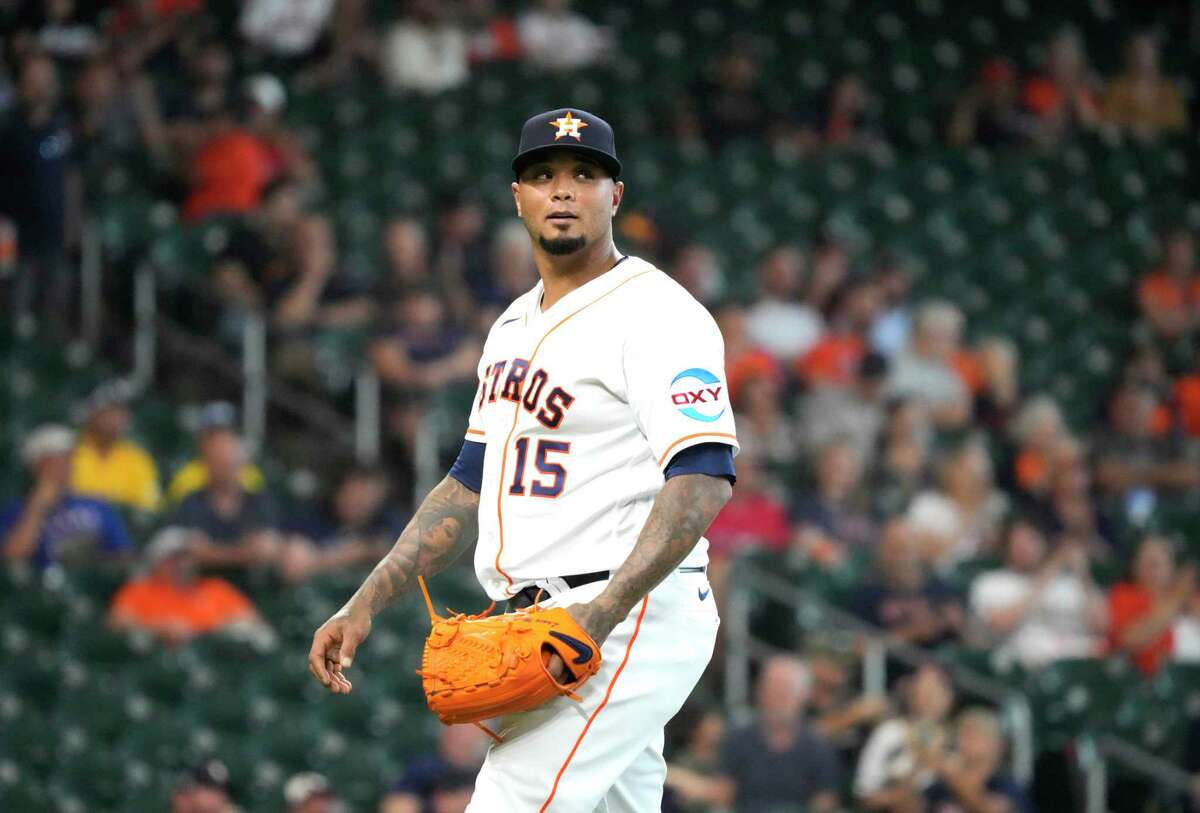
(572, 128)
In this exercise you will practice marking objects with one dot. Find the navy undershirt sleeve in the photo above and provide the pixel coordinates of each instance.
(703, 458)
(468, 468)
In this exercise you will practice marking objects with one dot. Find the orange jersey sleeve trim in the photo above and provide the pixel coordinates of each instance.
(479, 432)
(607, 694)
(667, 453)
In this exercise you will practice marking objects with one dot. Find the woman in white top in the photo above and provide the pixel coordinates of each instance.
(1039, 608)
(889, 768)
(958, 521)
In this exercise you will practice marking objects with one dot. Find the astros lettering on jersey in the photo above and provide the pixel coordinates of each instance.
(582, 406)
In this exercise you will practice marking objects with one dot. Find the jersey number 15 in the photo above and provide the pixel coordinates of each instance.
(540, 487)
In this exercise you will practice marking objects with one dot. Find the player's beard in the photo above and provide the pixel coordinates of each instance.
(561, 246)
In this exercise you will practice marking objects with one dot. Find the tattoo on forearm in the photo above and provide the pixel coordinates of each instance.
(682, 512)
(445, 525)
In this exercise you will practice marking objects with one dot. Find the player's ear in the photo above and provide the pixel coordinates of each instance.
(618, 193)
(516, 190)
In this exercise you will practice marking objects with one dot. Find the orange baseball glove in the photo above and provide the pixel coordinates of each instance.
(479, 666)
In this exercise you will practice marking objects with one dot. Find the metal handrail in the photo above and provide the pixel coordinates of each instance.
(749, 577)
(1096, 751)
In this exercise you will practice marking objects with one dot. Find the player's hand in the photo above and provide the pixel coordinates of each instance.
(596, 621)
(333, 648)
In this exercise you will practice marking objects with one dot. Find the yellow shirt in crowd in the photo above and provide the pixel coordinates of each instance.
(126, 475)
(194, 476)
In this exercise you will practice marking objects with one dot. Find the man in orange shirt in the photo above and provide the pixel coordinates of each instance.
(1142, 611)
(170, 600)
(1169, 296)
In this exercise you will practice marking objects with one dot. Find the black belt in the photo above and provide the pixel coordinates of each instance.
(526, 597)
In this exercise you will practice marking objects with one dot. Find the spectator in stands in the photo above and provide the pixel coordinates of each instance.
(1144, 610)
(215, 417)
(1141, 100)
(461, 749)
(1186, 397)
(356, 528)
(854, 412)
(511, 274)
(901, 465)
(422, 353)
(697, 269)
(850, 118)
(779, 759)
(555, 38)
(62, 29)
(892, 767)
(697, 763)
(831, 519)
(961, 519)
(311, 792)
(425, 51)
(1073, 515)
(265, 97)
(1064, 98)
(1186, 632)
(108, 465)
(493, 36)
(52, 525)
(889, 333)
(762, 423)
(171, 600)
(839, 712)
(228, 170)
(988, 113)
(833, 360)
(309, 289)
(971, 777)
(1169, 296)
(406, 260)
(259, 247)
(926, 369)
(996, 395)
(1036, 431)
(830, 271)
(728, 105)
(188, 112)
(295, 34)
(904, 598)
(41, 193)
(105, 117)
(230, 526)
(779, 322)
(1039, 607)
(463, 247)
(205, 789)
(1133, 465)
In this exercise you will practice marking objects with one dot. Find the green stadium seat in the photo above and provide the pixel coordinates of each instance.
(1071, 697)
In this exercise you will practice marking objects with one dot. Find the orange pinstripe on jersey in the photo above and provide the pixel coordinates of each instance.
(667, 453)
(517, 413)
(607, 694)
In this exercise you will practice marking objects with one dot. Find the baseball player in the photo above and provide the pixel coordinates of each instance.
(599, 448)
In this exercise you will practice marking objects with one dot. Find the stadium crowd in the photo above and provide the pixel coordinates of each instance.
(878, 433)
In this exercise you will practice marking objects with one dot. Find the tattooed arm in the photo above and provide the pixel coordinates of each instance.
(445, 525)
(682, 512)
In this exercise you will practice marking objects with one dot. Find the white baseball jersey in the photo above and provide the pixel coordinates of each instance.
(582, 406)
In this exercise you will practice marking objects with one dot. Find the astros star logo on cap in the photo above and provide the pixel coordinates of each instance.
(568, 126)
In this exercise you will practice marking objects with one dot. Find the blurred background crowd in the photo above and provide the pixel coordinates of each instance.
(951, 249)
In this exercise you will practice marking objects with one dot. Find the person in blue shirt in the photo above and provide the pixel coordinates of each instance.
(51, 525)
